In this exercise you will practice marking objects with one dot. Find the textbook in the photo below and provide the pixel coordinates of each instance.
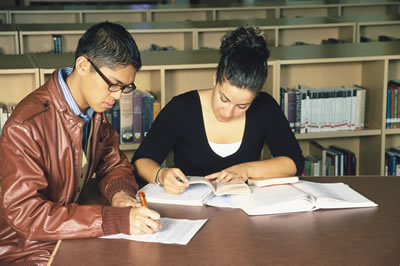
(196, 194)
(302, 196)
(221, 188)
(272, 181)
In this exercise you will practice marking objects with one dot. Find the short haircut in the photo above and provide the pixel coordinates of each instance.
(243, 62)
(109, 44)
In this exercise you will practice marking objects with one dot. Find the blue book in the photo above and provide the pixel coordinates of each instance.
(116, 117)
(147, 112)
(391, 162)
(388, 109)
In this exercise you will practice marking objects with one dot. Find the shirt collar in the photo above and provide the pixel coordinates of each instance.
(63, 73)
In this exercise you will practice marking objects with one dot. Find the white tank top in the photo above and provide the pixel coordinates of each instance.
(225, 150)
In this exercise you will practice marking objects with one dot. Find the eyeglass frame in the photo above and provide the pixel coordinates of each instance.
(130, 87)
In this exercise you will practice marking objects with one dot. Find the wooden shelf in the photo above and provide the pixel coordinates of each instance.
(34, 38)
(18, 77)
(204, 12)
(169, 73)
(8, 39)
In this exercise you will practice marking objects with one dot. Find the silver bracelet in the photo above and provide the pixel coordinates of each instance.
(157, 180)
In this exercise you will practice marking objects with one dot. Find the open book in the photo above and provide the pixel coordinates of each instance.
(272, 181)
(221, 188)
(196, 194)
(297, 197)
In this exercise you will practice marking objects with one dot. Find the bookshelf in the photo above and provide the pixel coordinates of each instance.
(373, 26)
(280, 32)
(385, 25)
(18, 77)
(370, 65)
(245, 12)
(38, 38)
(197, 12)
(8, 39)
(368, 8)
(77, 14)
(3, 16)
(35, 38)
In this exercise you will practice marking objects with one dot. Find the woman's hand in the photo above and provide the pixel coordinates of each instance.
(236, 173)
(142, 220)
(173, 180)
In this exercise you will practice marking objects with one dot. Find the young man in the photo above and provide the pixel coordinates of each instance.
(54, 142)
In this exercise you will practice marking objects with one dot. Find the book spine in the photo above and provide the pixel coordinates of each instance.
(147, 112)
(126, 118)
(353, 108)
(388, 108)
(298, 111)
(303, 110)
(116, 117)
(292, 110)
(137, 116)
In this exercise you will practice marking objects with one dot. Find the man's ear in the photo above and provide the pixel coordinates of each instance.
(82, 65)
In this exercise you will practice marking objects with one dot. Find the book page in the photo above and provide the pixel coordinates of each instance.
(334, 195)
(275, 199)
(201, 180)
(221, 188)
(173, 231)
(267, 200)
(272, 181)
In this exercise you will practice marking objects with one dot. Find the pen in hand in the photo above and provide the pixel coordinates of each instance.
(142, 198)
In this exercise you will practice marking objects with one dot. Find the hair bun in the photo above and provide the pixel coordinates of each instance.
(244, 38)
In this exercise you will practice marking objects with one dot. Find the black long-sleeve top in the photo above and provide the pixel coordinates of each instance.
(180, 128)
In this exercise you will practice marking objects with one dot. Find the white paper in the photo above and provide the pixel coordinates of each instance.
(173, 231)
(193, 195)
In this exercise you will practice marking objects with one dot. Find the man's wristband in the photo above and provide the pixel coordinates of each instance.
(157, 179)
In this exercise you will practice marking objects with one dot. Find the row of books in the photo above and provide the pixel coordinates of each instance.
(392, 161)
(329, 161)
(323, 41)
(133, 115)
(393, 104)
(5, 112)
(381, 38)
(324, 109)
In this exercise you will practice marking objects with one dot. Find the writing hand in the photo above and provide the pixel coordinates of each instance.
(142, 220)
(122, 199)
(173, 180)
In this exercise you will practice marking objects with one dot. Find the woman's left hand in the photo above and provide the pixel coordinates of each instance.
(236, 173)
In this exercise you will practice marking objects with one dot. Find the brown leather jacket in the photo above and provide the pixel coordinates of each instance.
(40, 167)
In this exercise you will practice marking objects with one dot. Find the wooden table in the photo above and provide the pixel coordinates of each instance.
(365, 236)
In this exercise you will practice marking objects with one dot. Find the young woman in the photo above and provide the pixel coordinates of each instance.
(220, 132)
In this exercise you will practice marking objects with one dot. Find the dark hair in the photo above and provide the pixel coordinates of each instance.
(243, 61)
(109, 44)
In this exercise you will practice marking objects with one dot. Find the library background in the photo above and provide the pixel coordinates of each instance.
(334, 67)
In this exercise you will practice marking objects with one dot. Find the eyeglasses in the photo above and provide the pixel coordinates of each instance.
(111, 86)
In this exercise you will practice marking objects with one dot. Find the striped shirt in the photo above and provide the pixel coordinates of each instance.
(63, 73)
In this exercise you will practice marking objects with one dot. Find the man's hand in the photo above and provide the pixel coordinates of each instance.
(122, 199)
(144, 221)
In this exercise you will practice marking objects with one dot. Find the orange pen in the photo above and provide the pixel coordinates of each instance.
(142, 198)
